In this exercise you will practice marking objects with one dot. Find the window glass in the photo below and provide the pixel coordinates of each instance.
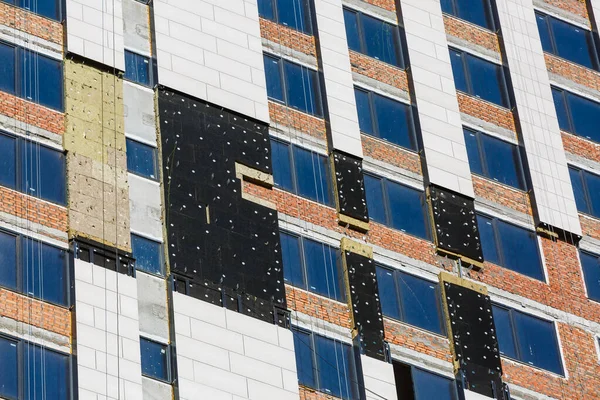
(419, 302)
(335, 368)
(41, 79)
(352, 33)
(44, 271)
(294, 13)
(591, 274)
(8, 173)
(43, 366)
(43, 172)
(148, 254)
(155, 362)
(141, 159)
(9, 369)
(520, 250)
(432, 386)
(394, 122)
(292, 262)
(8, 260)
(573, 43)
(282, 169)
(46, 8)
(407, 211)
(592, 183)
(472, 144)
(544, 29)
(380, 39)
(503, 161)
(579, 190)
(273, 75)
(265, 9)
(448, 7)
(301, 88)
(561, 110)
(475, 11)
(375, 199)
(312, 175)
(304, 358)
(504, 332)
(584, 114)
(387, 293)
(487, 80)
(458, 70)
(321, 269)
(488, 239)
(537, 341)
(363, 107)
(7, 68)
(137, 68)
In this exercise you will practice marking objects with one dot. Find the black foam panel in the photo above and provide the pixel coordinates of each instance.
(366, 306)
(232, 250)
(350, 186)
(455, 223)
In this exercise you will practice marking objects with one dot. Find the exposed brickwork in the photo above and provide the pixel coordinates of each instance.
(30, 113)
(485, 111)
(318, 306)
(417, 339)
(33, 209)
(34, 312)
(379, 70)
(501, 194)
(307, 393)
(31, 23)
(389, 5)
(393, 155)
(576, 73)
(288, 37)
(577, 7)
(300, 121)
(471, 33)
(590, 226)
(581, 147)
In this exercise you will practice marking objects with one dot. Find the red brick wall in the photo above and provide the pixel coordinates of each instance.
(288, 37)
(590, 226)
(486, 111)
(35, 312)
(501, 194)
(576, 73)
(378, 70)
(389, 5)
(471, 33)
(581, 147)
(29, 22)
(31, 113)
(318, 306)
(391, 154)
(307, 393)
(300, 121)
(574, 6)
(33, 209)
(417, 339)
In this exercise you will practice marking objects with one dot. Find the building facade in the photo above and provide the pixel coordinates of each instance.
(299, 199)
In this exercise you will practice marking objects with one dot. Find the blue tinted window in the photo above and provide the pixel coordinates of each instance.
(429, 386)
(293, 271)
(335, 368)
(373, 37)
(586, 187)
(148, 255)
(504, 332)
(303, 349)
(155, 359)
(478, 12)
(137, 68)
(591, 274)
(579, 190)
(141, 159)
(43, 366)
(41, 79)
(9, 369)
(8, 163)
(375, 199)
(7, 68)
(561, 109)
(458, 70)
(312, 175)
(44, 271)
(363, 107)
(43, 172)
(573, 43)
(544, 29)
(273, 76)
(473, 152)
(488, 239)
(47, 8)
(266, 9)
(419, 302)
(295, 14)
(8, 260)
(577, 114)
(282, 166)
(388, 295)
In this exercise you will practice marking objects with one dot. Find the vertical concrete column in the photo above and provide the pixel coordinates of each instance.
(435, 94)
(552, 190)
(343, 117)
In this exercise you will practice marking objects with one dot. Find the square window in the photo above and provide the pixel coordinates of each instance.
(141, 159)
(155, 360)
(137, 68)
(148, 255)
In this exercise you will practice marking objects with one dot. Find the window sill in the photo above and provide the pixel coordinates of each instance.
(321, 296)
(281, 103)
(504, 185)
(472, 96)
(398, 322)
(402, 68)
(155, 379)
(597, 71)
(305, 198)
(387, 142)
(591, 141)
(153, 180)
(521, 363)
(311, 35)
(427, 240)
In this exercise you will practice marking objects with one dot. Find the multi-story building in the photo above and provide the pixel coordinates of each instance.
(299, 199)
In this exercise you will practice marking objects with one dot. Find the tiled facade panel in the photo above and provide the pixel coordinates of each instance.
(439, 116)
(379, 379)
(343, 119)
(211, 49)
(95, 31)
(108, 336)
(136, 27)
(554, 199)
(221, 353)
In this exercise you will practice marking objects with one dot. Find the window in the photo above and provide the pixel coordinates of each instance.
(418, 384)
(494, 159)
(32, 168)
(385, 118)
(141, 159)
(292, 13)
(409, 299)
(591, 274)
(373, 37)
(302, 172)
(479, 78)
(155, 360)
(39, 366)
(527, 339)
(137, 68)
(325, 365)
(148, 255)
(586, 187)
(510, 246)
(478, 12)
(31, 76)
(576, 114)
(46, 8)
(312, 266)
(397, 206)
(567, 41)
(33, 268)
(293, 85)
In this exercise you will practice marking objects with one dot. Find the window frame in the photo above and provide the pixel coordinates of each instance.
(161, 255)
(59, 10)
(155, 160)
(309, 16)
(399, 49)
(168, 356)
(565, 94)
(489, 8)
(151, 82)
(586, 192)
(583, 272)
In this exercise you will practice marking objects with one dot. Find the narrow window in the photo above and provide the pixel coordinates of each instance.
(137, 68)
(148, 255)
(141, 159)
(155, 360)
(591, 274)
(8, 162)
(8, 260)
(7, 68)
(586, 187)
(9, 369)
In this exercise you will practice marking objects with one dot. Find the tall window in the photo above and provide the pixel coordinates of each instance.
(479, 78)
(494, 159)
(302, 172)
(567, 41)
(148, 255)
(137, 68)
(385, 118)
(397, 206)
(293, 85)
(325, 365)
(312, 266)
(31, 76)
(409, 299)
(292, 13)
(46, 8)
(510, 246)
(576, 114)
(527, 339)
(32, 168)
(586, 187)
(478, 12)
(373, 37)
(590, 265)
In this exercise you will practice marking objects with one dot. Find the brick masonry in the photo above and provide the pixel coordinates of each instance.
(32, 114)
(31, 23)
(498, 193)
(389, 5)
(471, 33)
(486, 111)
(391, 154)
(305, 123)
(33, 209)
(578, 7)
(581, 147)
(288, 37)
(379, 70)
(575, 73)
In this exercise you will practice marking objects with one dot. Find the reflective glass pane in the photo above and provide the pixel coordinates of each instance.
(503, 162)
(265, 9)
(292, 260)
(44, 271)
(447, 7)
(321, 269)
(473, 152)
(487, 80)
(375, 201)
(592, 182)
(458, 70)
(43, 172)
(363, 108)
(544, 29)
(419, 302)
(352, 35)
(561, 110)
(8, 161)
(282, 170)
(9, 369)
(8, 260)
(154, 359)
(579, 191)
(312, 175)
(148, 254)
(520, 250)
(380, 39)
(504, 332)
(300, 83)
(43, 366)
(47, 8)
(394, 121)
(591, 274)
(585, 115)
(537, 341)
(334, 368)
(387, 293)
(273, 76)
(7, 68)
(430, 386)
(137, 68)
(488, 239)
(407, 211)
(304, 359)
(141, 159)
(475, 11)
(573, 43)
(51, 82)
(294, 13)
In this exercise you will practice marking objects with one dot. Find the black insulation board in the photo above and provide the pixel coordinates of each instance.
(474, 337)
(350, 186)
(455, 223)
(234, 248)
(366, 306)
